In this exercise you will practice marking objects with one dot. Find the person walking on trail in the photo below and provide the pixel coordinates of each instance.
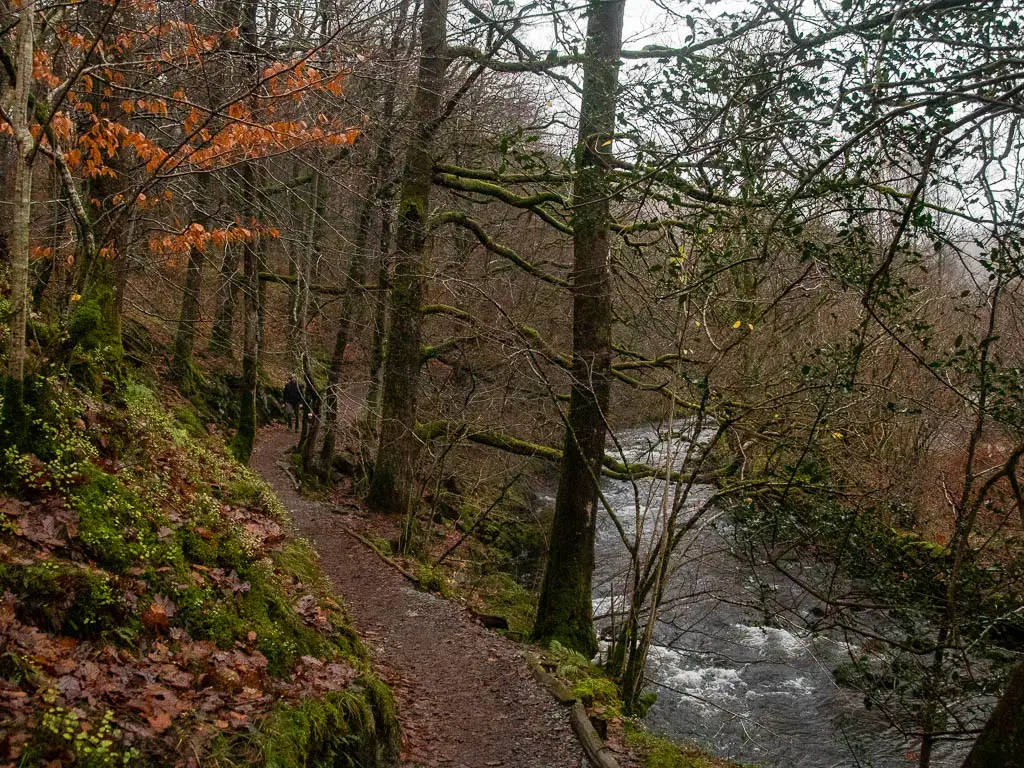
(292, 401)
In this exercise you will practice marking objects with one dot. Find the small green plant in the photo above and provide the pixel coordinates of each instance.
(117, 526)
(56, 448)
(570, 664)
(432, 579)
(94, 743)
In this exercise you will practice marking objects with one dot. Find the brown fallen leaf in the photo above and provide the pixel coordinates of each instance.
(157, 615)
(159, 721)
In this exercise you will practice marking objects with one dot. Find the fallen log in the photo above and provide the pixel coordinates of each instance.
(598, 754)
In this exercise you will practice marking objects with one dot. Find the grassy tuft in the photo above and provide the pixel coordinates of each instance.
(659, 752)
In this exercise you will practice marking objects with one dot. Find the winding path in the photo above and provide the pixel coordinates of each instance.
(466, 698)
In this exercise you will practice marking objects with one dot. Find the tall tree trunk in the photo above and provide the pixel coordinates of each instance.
(227, 297)
(245, 437)
(312, 419)
(564, 612)
(371, 411)
(228, 14)
(1001, 742)
(378, 200)
(299, 268)
(18, 242)
(331, 409)
(182, 365)
(385, 205)
(392, 483)
(261, 302)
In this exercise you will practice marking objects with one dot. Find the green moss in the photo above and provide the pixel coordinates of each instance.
(504, 596)
(190, 420)
(380, 543)
(298, 560)
(245, 489)
(95, 333)
(432, 579)
(344, 729)
(282, 635)
(69, 599)
(659, 752)
(116, 527)
(261, 604)
(149, 490)
(187, 374)
(382, 702)
(87, 325)
(599, 690)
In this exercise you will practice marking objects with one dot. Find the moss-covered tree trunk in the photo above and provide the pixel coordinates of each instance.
(96, 318)
(182, 366)
(371, 410)
(229, 279)
(391, 486)
(312, 423)
(299, 268)
(1001, 742)
(245, 436)
(18, 240)
(378, 200)
(564, 611)
(228, 285)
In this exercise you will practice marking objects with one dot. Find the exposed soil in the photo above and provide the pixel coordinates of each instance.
(466, 697)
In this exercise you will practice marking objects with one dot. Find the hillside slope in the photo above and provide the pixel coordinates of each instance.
(157, 608)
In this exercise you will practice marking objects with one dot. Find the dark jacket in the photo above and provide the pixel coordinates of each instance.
(292, 395)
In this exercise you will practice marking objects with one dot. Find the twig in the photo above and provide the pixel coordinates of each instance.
(288, 472)
(479, 519)
(373, 547)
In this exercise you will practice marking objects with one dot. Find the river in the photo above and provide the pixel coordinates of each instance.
(747, 685)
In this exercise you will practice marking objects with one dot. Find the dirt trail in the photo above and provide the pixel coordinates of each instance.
(466, 697)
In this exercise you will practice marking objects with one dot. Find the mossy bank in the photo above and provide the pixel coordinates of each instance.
(157, 608)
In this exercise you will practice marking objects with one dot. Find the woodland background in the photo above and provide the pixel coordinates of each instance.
(794, 224)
